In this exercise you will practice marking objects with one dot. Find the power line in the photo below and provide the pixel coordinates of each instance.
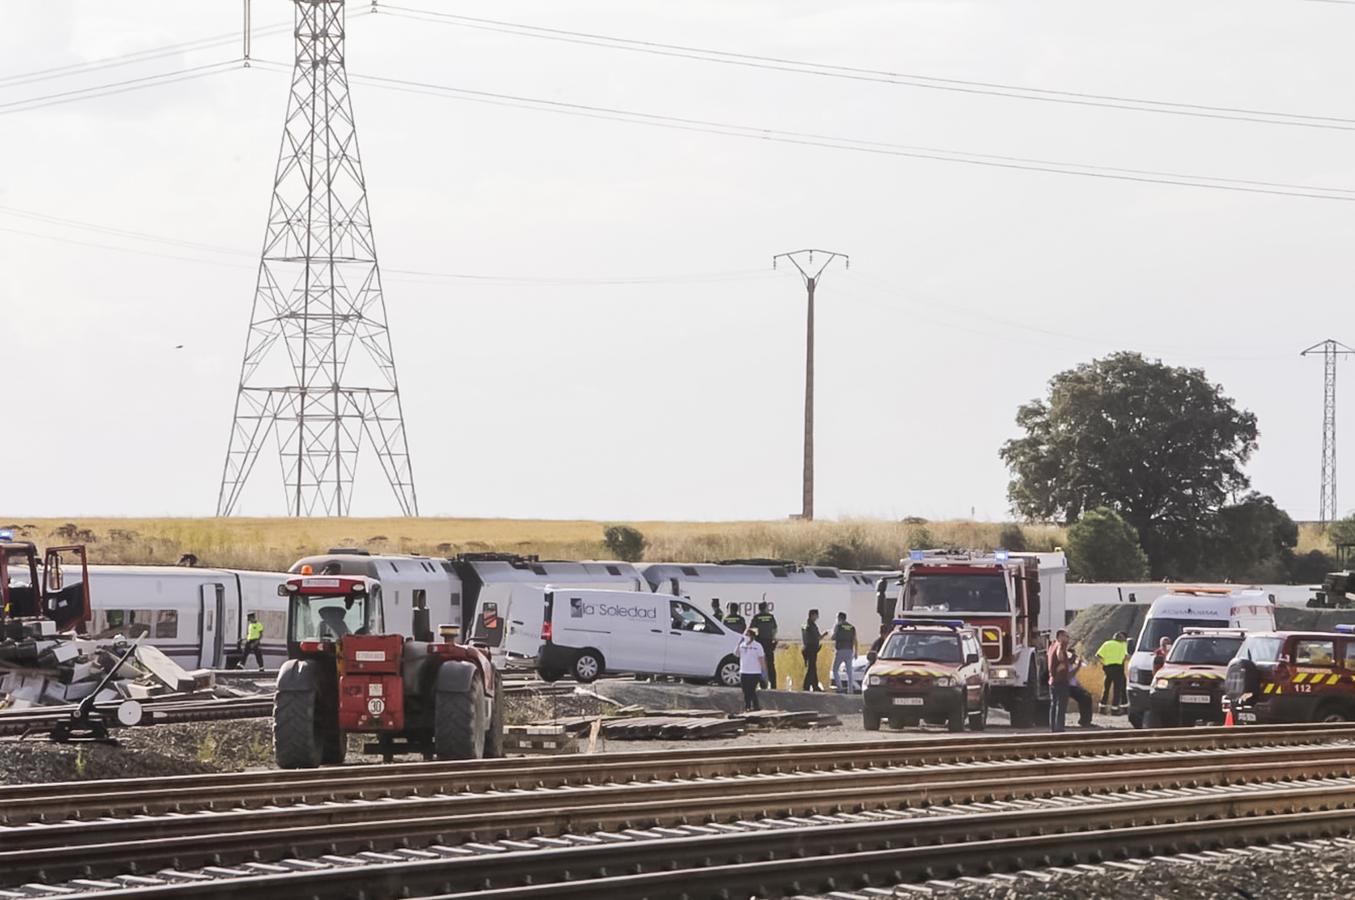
(116, 87)
(880, 76)
(1142, 176)
(408, 275)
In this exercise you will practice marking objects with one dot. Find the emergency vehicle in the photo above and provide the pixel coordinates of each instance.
(347, 673)
(1013, 601)
(1190, 606)
(1293, 676)
(928, 670)
(1189, 686)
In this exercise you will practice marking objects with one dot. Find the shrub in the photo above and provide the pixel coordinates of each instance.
(625, 542)
(1104, 547)
(1011, 537)
(919, 538)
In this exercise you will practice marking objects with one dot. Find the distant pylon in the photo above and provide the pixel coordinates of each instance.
(811, 282)
(1327, 510)
(318, 370)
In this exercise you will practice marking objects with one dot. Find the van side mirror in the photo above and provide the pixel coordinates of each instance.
(971, 658)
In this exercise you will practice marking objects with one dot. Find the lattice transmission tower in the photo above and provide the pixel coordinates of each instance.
(1327, 510)
(318, 372)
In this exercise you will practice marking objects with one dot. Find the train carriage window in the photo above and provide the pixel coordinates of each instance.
(613, 570)
(138, 623)
(826, 573)
(166, 623)
(779, 572)
(108, 622)
(690, 572)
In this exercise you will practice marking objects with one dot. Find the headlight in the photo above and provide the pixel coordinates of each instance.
(1161, 683)
(875, 680)
(944, 681)
(1002, 673)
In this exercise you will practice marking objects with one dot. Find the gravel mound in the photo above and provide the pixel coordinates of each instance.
(1258, 874)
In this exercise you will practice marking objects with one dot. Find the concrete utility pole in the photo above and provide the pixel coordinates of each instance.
(1327, 510)
(803, 261)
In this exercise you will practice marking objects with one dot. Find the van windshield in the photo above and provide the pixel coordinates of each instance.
(1204, 651)
(956, 593)
(1155, 629)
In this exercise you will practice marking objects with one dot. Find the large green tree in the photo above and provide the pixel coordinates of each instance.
(1160, 445)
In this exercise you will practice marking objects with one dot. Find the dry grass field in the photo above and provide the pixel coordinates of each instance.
(274, 543)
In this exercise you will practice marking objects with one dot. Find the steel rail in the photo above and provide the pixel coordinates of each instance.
(53, 853)
(24, 803)
(779, 861)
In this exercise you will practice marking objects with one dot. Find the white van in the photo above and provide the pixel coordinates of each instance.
(1249, 609)
(586, 633)
(789, 590)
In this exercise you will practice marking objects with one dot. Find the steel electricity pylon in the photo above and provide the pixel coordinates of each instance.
(318, 372)
(803, 260)
(1327, 510)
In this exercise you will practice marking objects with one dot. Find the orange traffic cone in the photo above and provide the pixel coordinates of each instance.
(1228, 719)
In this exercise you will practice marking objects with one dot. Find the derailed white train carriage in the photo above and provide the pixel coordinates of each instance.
(196, 616)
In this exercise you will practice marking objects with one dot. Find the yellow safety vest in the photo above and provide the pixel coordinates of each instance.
(1113, 652)
(255, 631)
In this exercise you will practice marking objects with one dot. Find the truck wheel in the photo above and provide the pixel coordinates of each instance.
(459, 723)
(1331, 714)
(587, 666)
(979, 720)
(494, 734)
(296, 741)
(955, 721)
(728, 673)
(870, 720)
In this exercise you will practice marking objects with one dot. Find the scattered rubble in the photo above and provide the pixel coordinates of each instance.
(41, 667)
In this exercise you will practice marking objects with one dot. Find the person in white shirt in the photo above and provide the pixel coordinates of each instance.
(752, 666)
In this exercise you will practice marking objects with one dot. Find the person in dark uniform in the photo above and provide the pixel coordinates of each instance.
(765, 623)
(811, 638)
(844, 651)
(715, 609)
(733, 621)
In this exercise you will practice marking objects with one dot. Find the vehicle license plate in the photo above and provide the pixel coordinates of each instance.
(1246, 717)
(1194, 698)
(908, 701)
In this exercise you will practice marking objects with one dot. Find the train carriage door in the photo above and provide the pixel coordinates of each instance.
(211, 606)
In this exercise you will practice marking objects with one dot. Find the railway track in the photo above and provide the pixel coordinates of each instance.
(798, 812)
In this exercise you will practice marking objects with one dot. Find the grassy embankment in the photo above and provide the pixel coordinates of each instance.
(272, 544)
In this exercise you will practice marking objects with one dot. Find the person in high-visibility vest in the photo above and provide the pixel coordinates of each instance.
(253, 640)
(1112, 654)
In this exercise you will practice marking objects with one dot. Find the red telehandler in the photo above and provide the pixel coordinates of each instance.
(347, 673)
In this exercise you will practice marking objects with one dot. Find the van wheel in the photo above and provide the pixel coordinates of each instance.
(549, 675)
(587, 666)
(728, 673)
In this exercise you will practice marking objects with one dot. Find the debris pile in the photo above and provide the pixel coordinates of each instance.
(41, 667)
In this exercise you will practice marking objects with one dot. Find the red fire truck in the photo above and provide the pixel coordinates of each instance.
(1013, 601)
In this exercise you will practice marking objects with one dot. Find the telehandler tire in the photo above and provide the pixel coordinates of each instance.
(296, 740)
(494, 736)
(459, 722)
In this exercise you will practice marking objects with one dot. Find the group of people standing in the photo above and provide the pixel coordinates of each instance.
(1063, 663)
(757, 650)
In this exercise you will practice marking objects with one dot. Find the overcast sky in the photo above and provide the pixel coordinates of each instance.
(678, 398)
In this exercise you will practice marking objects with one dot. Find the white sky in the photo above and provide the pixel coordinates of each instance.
(969, 286)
